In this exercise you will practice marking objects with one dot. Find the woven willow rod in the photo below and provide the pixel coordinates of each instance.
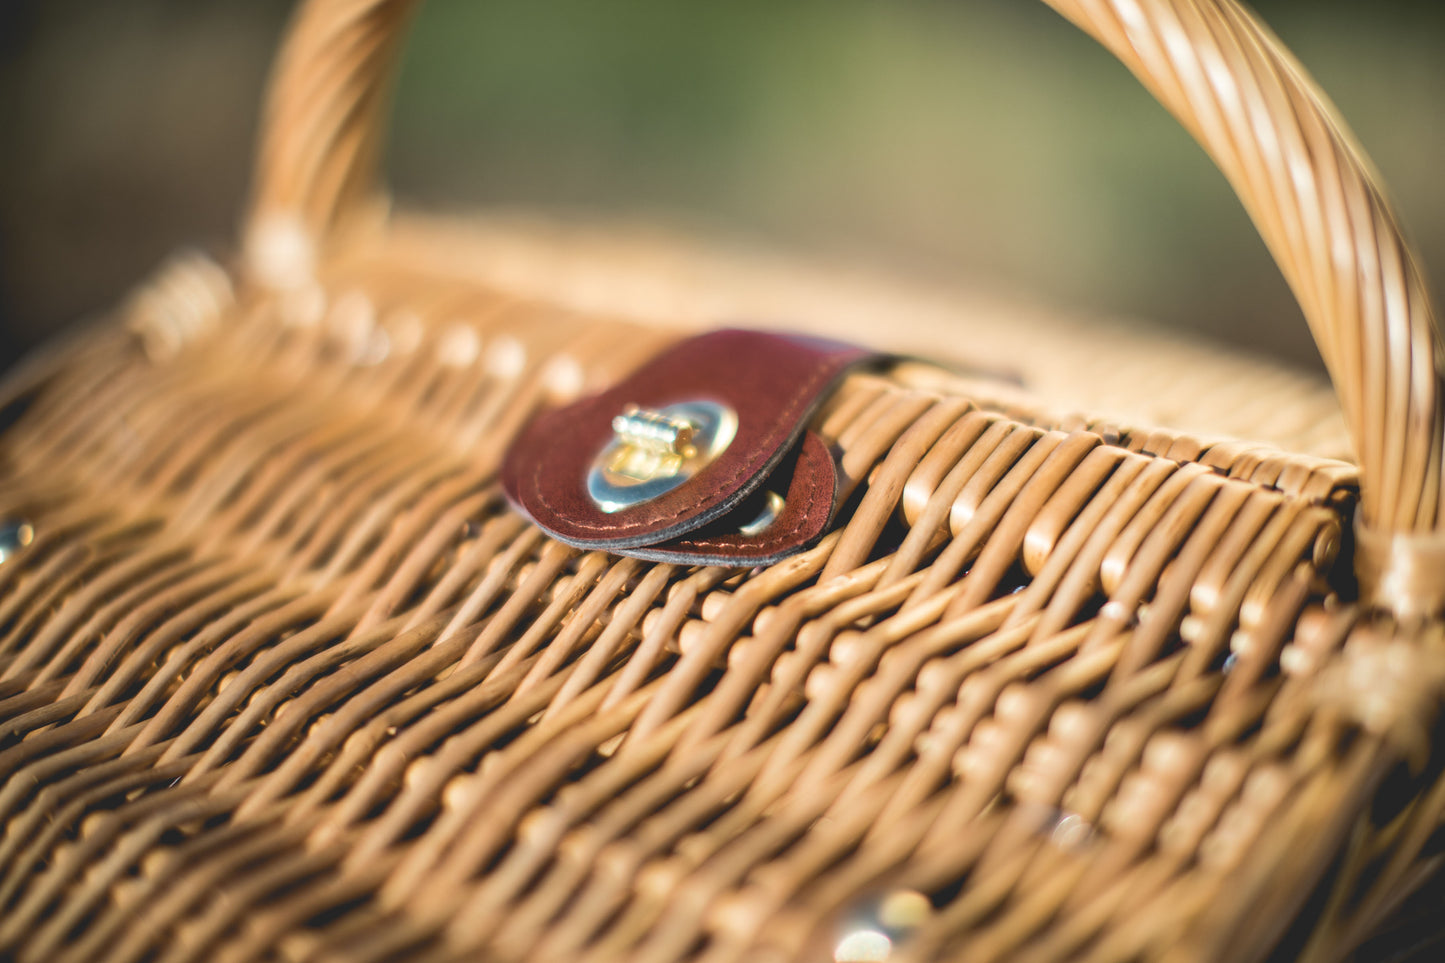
(1307, 185)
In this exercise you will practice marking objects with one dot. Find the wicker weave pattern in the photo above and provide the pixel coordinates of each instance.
(282, 678)
(296, 640)
(1307, 186)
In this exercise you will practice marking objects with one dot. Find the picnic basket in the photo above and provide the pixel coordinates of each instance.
(284, 677)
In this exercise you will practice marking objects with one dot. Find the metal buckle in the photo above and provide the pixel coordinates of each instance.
(655, 450)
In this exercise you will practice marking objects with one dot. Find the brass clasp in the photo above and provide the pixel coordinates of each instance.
(655, 450)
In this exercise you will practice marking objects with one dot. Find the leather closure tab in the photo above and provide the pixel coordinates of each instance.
(701, 456)
(808, 481)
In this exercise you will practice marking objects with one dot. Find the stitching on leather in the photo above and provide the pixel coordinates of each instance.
(766, 444)
(828, 367)
(721, 541)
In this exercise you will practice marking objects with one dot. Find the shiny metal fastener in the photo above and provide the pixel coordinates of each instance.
(773, 506)
(655, 429)
(14, 535)
(655, 450)
(870, 932)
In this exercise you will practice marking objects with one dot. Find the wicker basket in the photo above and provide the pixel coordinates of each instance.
(284, 678)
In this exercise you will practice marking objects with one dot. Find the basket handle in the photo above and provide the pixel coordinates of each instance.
(1309, 188)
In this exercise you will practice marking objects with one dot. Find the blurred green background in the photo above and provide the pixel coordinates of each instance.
(980, 142)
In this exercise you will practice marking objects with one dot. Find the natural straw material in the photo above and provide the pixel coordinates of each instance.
(1226, 78)
(283, 678)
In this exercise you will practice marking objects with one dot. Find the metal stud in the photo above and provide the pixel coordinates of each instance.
(871, 931)
(772, 508)
(14, 535)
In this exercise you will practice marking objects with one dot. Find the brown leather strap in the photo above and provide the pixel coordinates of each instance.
(772, 382)
(808, 483)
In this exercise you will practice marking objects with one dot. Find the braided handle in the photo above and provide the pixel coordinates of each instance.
(1310, 190)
